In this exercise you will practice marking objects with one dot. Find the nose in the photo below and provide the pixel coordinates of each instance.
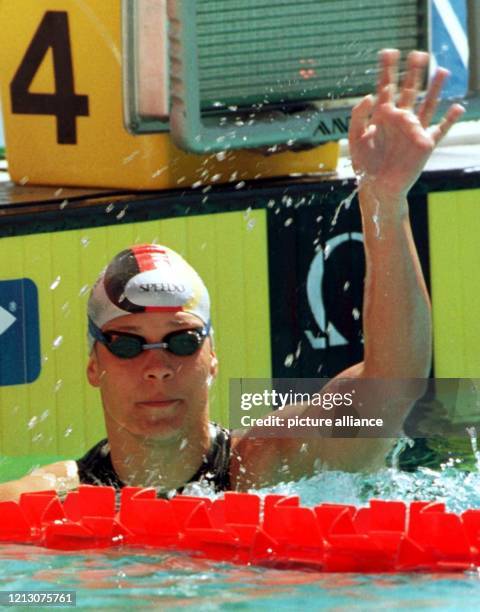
(158, 365)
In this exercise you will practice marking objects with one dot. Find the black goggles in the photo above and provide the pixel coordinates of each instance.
(126, 346)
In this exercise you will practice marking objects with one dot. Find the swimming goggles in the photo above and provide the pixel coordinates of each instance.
(127, 346)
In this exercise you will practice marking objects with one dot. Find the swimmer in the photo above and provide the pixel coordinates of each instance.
(152, 355)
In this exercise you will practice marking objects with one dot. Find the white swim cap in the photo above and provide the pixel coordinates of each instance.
(147, 278)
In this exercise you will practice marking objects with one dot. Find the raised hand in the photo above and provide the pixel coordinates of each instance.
(390, 141)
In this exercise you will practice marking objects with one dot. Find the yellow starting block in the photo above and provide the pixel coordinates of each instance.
(62, 98)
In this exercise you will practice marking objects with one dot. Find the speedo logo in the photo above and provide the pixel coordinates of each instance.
(161, 288)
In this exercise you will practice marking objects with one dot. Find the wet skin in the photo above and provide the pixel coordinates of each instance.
(156, 395)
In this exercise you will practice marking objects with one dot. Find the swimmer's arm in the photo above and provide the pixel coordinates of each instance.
(61, 477)
(390, 145)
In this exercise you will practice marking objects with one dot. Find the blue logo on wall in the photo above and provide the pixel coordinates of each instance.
(19, 332)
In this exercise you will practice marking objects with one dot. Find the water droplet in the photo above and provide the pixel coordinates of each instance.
(181, 180)
(55, 283)
(217, 104)
(197, 184)
(110, 207)
(346, 285)
(356, 314)
(183, 443)
(32, 422)
(270, 203)
(221, 155)
(216, 177)
(85, 241)
(131, 157)
(58, 192)
(233, 176)
(289, 360)
(206, 189)
(288, 222)
(240, 185)
(44, 415)
(57, 342)
(63, 204)
(67, 431)
(251, 224)
(122, 213)
(159, 171)
(58, 385)
(12, 306)
(23, 180)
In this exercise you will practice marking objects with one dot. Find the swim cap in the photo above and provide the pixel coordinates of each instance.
(147, 278)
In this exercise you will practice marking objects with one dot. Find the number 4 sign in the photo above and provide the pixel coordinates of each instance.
(64, 103)
(63, 87)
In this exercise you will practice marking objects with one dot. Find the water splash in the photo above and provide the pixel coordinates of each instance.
(55, 283)
(57, 342)
(398, 449)
(345, 203)
(32, 422)
(472, 434)
(159, 171)
(122, 213)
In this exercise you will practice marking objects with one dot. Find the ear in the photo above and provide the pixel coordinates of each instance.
(213, 364)
(93, 369)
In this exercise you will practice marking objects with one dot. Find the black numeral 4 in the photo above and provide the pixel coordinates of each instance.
(64, 103)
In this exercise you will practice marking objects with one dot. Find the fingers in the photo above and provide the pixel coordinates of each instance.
(387, 80)
(361, 114)
(429, 105)
(451, 116)
(417, 61)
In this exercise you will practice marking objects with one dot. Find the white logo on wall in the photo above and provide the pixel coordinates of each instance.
(328, 335)
(6, 320)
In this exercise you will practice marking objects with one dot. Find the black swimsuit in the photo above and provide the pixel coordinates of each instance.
(96, 468)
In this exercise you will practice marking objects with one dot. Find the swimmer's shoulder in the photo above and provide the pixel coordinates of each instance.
(61, 476)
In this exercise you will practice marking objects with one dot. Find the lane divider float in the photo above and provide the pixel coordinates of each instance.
(274, 531)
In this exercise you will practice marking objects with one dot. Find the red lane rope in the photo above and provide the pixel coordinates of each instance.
(386, 536)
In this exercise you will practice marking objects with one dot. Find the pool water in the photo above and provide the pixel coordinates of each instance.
(146, 579)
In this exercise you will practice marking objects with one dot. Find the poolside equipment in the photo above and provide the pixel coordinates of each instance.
(385, 536)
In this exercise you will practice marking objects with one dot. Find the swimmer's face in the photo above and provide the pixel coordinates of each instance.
(156, 394)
